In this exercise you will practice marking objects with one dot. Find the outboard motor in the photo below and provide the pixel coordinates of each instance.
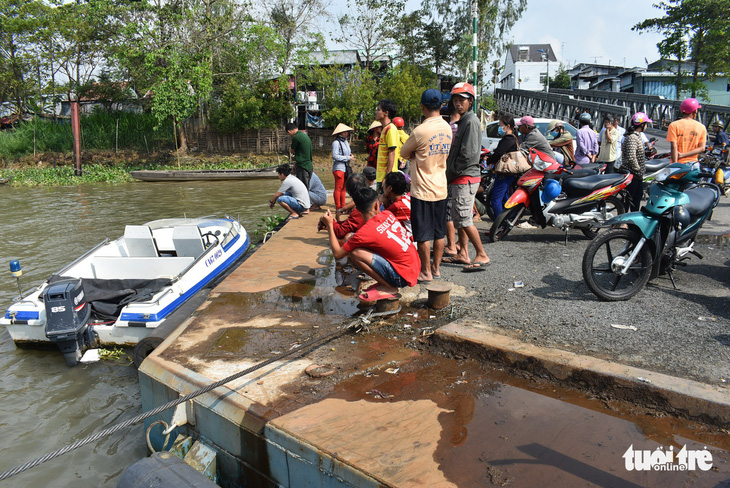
(67, 318)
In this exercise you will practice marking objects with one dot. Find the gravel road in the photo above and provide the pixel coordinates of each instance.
(683, 332)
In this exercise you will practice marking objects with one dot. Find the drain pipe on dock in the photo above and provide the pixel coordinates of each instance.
(356, 326)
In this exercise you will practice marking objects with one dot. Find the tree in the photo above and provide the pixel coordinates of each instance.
(561, 80)
(698, 29)
(294, 21)
(349, 96)
(495, 19)
(371, 27)
(404, 84)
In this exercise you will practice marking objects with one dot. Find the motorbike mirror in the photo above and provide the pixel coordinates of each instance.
(652, 139)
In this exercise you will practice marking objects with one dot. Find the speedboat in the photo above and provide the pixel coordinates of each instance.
(122, 290)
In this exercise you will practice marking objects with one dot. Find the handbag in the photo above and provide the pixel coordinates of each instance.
(513, 163)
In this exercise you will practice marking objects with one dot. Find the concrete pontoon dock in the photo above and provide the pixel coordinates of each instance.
(393, 413)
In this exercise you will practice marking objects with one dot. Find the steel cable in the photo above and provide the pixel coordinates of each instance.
(122, 425)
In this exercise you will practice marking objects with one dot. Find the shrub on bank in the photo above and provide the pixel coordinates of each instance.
(99, 130)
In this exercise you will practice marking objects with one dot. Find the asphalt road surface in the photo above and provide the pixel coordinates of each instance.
(683, 332)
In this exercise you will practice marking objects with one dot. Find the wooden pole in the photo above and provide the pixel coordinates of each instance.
(76, 130)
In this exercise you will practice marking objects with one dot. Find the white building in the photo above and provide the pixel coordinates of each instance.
(527, 65)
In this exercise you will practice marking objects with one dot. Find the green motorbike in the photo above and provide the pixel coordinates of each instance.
(641, 245)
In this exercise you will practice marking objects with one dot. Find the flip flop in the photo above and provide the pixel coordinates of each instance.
(453, 260)
(375, 295)
(292, 217)
(448, 255)
(370, 288)
(474, 267)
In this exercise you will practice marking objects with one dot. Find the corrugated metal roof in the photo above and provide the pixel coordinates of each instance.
(329, 58)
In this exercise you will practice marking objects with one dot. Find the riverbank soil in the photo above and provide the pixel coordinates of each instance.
(322, 159)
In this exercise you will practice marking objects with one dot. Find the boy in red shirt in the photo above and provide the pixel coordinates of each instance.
(382, 248)
(397, 199)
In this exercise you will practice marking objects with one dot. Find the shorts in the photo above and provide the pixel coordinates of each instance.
(292, 202)
(428, 219)
(383, 267)
(462, 204)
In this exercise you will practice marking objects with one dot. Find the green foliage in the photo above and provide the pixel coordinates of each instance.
(268, 224)
(561, 80)
(694, 29)
(99, 131)
(488, 102)
(349, 96)
(404, 84)
(262, 106)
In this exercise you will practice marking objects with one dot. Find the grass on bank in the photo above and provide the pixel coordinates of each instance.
(105, 173)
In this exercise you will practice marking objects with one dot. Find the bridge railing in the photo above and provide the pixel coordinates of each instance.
(562, 104)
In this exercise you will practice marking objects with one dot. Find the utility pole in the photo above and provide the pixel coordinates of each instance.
(546, 56)
(475, 17)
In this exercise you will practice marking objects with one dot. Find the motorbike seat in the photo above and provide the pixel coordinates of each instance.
(591, 166)
(700, 201)
(654, 165)
(577, 173)
(583, 186)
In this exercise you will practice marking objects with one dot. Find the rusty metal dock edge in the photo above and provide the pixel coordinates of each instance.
(677, 396)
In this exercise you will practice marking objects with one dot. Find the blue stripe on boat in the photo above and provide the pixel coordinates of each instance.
(139, 317)
(21, 315)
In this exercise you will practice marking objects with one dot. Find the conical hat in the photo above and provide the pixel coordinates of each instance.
(374, 125)
(342, 128)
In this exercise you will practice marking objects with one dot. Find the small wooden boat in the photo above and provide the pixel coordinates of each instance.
(204, 174)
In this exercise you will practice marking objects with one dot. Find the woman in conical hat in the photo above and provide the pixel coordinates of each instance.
(341, 159)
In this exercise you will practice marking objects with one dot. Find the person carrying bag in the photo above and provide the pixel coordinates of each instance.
(508, 162)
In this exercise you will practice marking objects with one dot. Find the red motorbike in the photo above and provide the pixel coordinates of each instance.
(561, 198)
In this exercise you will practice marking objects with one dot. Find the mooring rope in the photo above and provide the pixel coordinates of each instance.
(363, 321)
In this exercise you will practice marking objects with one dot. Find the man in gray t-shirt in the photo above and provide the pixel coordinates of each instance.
(292, 195)
(317, 192)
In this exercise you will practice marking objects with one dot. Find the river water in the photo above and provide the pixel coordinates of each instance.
(43, 404)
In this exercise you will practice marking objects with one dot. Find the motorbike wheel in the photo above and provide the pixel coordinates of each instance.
(505, 222)
(612, 205)
(607, 250)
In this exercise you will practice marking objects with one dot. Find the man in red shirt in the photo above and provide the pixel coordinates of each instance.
(382, 248)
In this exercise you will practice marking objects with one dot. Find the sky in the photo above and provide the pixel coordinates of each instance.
(582, 31)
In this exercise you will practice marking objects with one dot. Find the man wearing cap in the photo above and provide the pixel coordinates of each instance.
(533, 138)
(721, 137)
(464, 175)
(586, 143)
(428, 148)
(561, 143)
(686, 136)
(301, 150)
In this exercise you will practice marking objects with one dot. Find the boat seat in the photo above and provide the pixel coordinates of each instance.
(139, 241)
(124, 268)
(187, 241)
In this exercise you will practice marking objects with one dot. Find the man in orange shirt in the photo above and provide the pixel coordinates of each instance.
(686, 136)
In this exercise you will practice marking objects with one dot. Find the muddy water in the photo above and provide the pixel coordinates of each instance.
(43, 404)
(497, 429)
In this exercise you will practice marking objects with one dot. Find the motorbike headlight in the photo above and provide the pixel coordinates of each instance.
(539, 164)
(672, 172)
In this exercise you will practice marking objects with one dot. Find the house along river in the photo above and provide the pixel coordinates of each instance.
(43, 404)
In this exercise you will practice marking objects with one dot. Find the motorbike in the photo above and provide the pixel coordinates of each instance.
(650, 152)
(715, 161)
(619, 262)
(561, 198)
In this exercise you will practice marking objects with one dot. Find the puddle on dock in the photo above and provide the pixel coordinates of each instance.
(330, 291)
(497, 430)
